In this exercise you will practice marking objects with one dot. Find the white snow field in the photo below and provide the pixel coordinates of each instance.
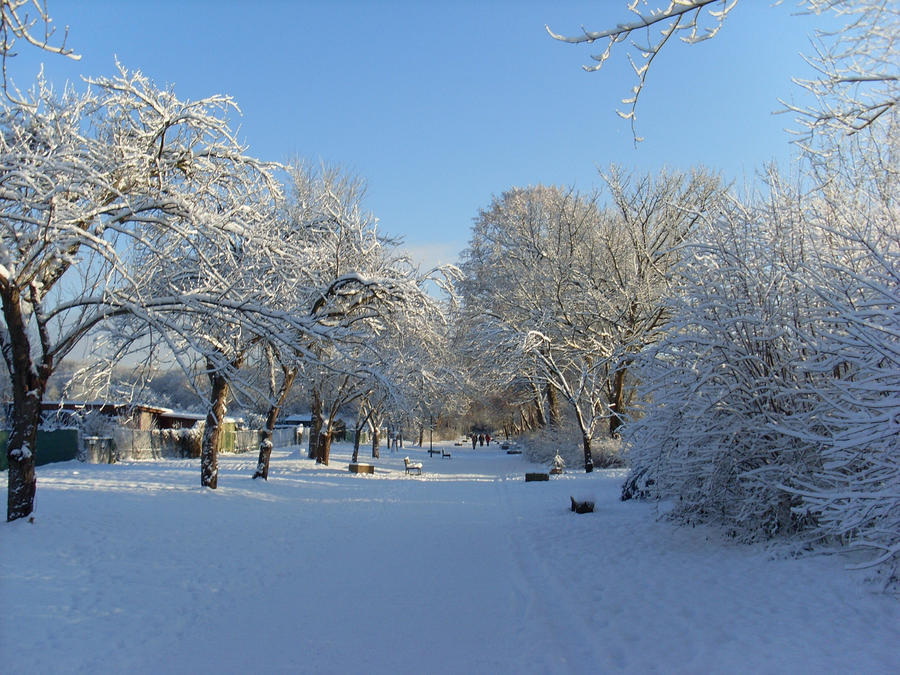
(134, 568)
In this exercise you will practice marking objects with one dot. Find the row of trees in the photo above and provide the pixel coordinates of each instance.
(129, 214)
(747, 349)
(573, 291)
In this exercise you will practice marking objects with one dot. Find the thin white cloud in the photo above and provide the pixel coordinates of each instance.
(433, 254)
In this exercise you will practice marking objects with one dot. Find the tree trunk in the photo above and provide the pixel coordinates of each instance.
(361, 422)
(585, 440)
(323, 450)
(212, 434)
(538, 408)
(617, 403)
(29, 381)
(265, 454)
(421, 435)
(375, 441)
(265, 443)
(588, 457)
(356, 435)
(553, 414)
(315, 430)
(523, 416)
(323, 444)
(20, 456)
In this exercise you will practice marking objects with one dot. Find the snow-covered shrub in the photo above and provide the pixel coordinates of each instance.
(607, 452)
(723, 381)
(95, 423)
(190, 440)
(254, 420)
(543, 445)
(855, 494)
(557, 464)
(772, 406)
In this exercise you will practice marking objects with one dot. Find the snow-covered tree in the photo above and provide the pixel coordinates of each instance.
(855, 495)
(90, 182)
(516, 280)
(724, 380)
(29, 21)
(773, 401)
(654, 217)
(353, 289)
(856, 77)
(282, 372)
(573, 291)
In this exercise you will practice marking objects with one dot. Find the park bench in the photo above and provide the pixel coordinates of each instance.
(532, 477)
(445, 453)
(412, 466)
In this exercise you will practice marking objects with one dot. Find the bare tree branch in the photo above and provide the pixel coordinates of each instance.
(17, 24)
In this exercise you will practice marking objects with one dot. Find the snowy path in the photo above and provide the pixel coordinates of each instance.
(135, 568)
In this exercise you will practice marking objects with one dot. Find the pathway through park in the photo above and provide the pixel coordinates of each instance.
(468, 569)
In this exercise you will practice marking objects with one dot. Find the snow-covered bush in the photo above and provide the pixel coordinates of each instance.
(723, 381)
(772, 406)
(557, 464)
(88, 422)
(855, 494)
(543, 445)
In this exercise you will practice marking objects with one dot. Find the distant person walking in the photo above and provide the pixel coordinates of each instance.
(487, 439)
(474, 441)
(480, 439)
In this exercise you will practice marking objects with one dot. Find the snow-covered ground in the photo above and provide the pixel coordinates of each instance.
(135, 568)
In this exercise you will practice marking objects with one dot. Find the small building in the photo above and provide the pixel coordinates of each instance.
(296, 420)
(68, 413)
(171, 419)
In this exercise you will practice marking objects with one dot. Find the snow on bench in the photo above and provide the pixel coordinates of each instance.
(412, 466)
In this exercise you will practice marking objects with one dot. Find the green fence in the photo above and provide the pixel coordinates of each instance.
(128, 444)
(52, 446)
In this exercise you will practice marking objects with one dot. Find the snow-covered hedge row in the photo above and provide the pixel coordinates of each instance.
(541, 446)
(773, 404)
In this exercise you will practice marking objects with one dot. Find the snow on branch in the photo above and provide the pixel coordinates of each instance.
(856, 82)
(680, 17)
(17, 24)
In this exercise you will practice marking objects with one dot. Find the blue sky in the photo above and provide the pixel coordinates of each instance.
(440, 105)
